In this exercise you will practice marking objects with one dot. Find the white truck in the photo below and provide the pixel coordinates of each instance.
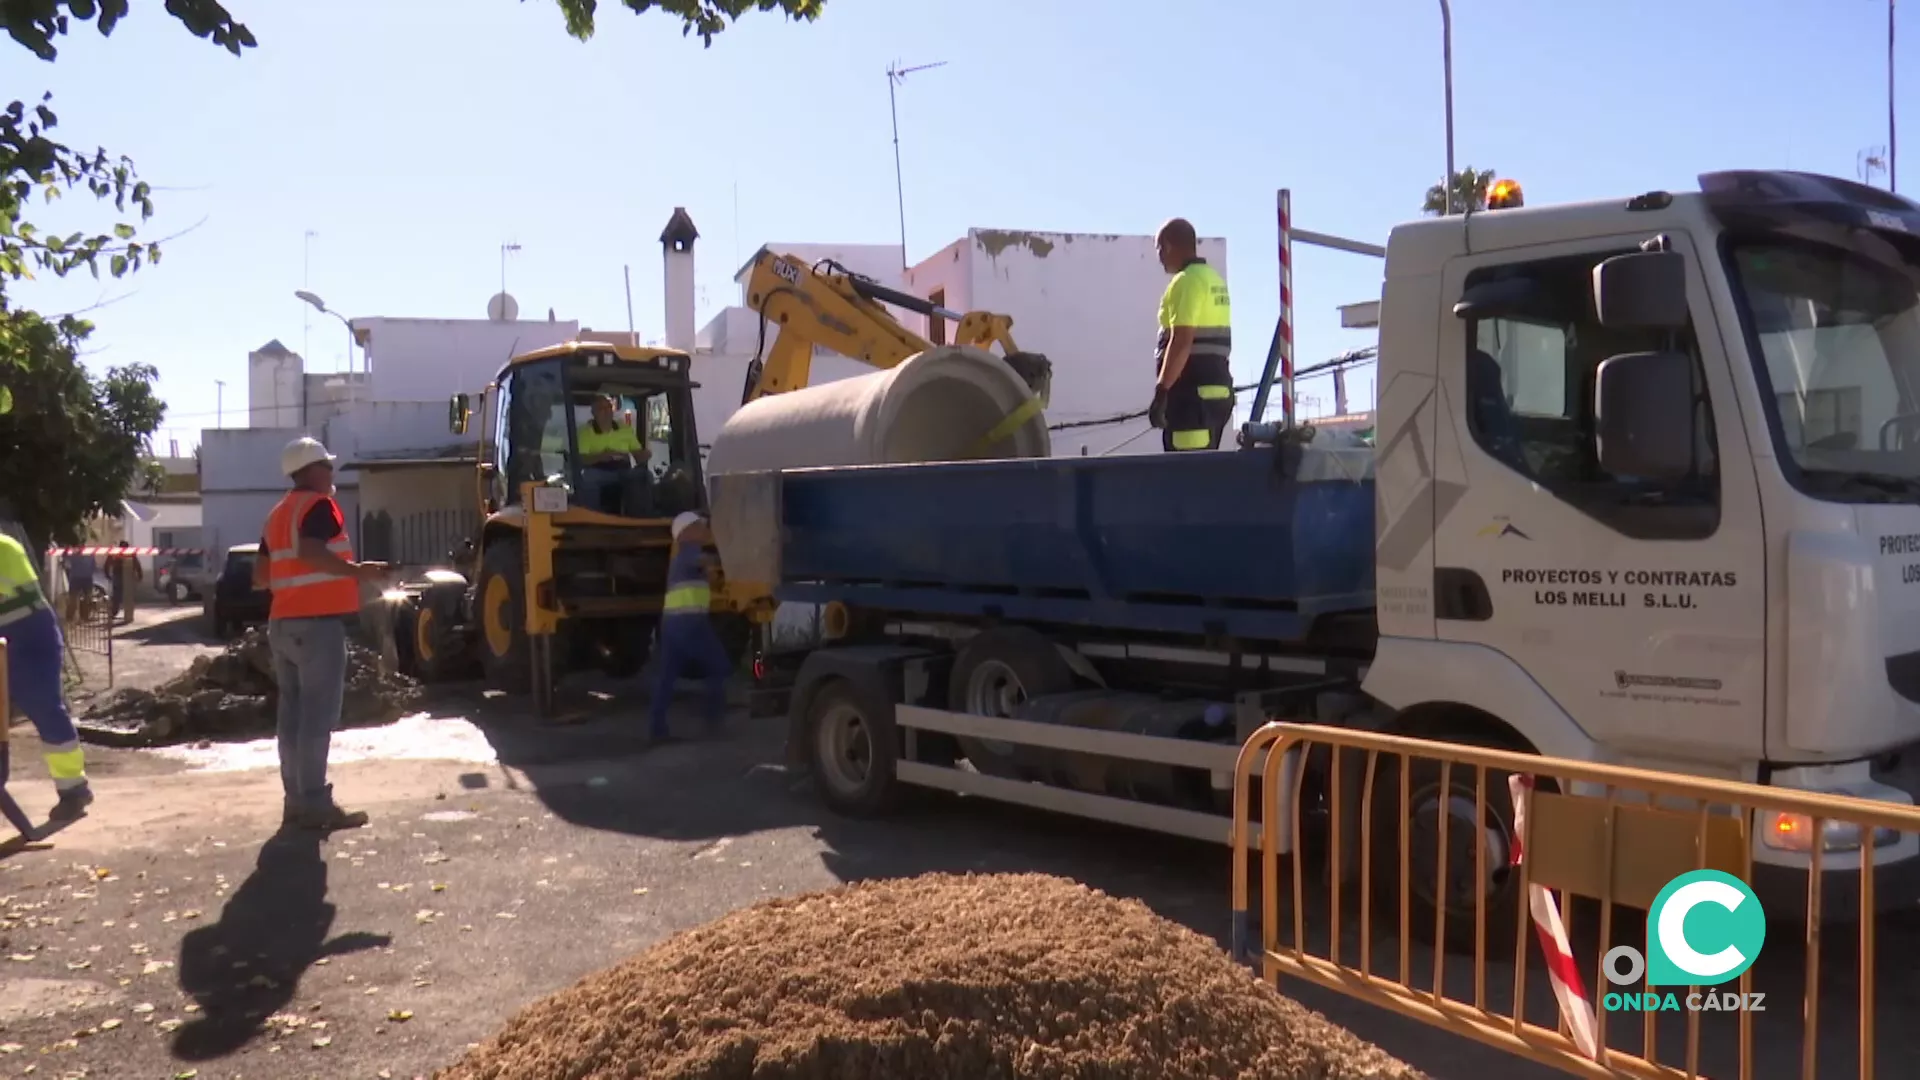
(1646, 491)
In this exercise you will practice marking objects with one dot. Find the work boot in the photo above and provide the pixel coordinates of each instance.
(332, 819)
(72, 805)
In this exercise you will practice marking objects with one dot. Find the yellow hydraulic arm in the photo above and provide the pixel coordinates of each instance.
(841, 312)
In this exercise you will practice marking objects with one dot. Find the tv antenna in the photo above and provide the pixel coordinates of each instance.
(1869, 161)
(895, 76)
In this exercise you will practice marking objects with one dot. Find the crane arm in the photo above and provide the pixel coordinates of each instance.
(841, 312)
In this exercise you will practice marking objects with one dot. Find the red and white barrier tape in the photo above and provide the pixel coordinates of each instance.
(94, 550)
(1576, 1009)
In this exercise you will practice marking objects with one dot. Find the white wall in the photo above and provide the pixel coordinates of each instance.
(433, 359)
(1089, 302)
(950, 270)
(274, 388)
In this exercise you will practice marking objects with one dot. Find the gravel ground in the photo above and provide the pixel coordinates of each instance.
(572, 849)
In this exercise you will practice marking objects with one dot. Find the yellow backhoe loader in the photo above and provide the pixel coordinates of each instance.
(829, 306)
(569, 566)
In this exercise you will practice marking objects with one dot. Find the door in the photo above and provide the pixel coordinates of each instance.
(1638, 606)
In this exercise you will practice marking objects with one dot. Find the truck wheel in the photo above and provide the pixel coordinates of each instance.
(433, 636)
(1426, 802)
(503, 620)
(995, 672)
(853, 746)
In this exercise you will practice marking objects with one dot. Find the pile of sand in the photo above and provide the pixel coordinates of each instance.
(933, 978)
(233, 692)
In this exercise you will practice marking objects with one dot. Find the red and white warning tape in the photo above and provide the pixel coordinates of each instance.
(93, 550)
(1576, 1009)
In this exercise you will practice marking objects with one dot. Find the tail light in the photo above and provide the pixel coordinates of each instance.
(759, 668)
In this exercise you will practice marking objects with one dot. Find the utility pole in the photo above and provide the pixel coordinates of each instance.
(1446, 64)
(219, 403)
(1893, 143)
(306, 282)
(896, 75)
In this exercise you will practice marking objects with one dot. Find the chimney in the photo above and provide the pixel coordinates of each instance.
(677, 242)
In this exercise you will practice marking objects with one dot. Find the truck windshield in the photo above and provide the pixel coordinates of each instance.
(1834, 314)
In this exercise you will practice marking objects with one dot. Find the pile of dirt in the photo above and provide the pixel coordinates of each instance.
(233, 693)
(940, 977)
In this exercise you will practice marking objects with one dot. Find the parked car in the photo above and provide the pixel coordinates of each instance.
(234, 604)
(182, 579)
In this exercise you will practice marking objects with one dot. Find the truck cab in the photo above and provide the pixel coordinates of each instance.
(1648, 484)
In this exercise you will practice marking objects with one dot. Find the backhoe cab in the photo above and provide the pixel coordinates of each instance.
(570, 564)
(830, 307)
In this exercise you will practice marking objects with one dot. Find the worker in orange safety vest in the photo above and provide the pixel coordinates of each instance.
(316, 592)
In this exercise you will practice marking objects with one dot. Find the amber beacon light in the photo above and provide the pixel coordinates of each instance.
(1505, 195)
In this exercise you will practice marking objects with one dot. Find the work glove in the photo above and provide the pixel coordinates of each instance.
(1157, 412)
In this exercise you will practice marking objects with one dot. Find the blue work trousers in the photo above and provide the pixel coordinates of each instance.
(689, 646)
(35, 652)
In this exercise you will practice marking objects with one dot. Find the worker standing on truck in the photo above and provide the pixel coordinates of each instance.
(1193, 396)
(34, 653)
(688, 642)
(316, 589)
(612, 457)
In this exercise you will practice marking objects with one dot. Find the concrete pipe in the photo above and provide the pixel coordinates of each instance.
(936, 406)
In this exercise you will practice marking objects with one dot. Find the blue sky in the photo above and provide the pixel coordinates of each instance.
(416, 136)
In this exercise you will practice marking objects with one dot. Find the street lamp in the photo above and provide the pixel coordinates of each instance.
(320, 306)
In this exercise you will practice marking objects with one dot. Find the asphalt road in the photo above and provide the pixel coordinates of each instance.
(573, 847)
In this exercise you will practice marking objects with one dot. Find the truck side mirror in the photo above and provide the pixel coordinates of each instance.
(457, 413)
(1646, 290)
(1644, 415)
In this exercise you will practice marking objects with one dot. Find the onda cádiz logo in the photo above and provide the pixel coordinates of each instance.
(1704, 929)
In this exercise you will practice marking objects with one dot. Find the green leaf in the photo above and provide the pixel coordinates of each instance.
(124, 231)
(120, 266)
(6, 401)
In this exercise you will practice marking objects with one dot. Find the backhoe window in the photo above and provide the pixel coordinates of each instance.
(536, 429)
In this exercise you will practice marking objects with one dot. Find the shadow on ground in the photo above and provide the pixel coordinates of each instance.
(246, 967)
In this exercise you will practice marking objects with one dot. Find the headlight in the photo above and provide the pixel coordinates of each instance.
(1794, 832)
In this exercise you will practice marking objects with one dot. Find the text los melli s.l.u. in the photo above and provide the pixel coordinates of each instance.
(1619, 588)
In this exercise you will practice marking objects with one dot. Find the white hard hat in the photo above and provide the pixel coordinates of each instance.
(681, 522)
(301, 453)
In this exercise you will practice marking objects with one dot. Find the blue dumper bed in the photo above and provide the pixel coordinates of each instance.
(1254, 544)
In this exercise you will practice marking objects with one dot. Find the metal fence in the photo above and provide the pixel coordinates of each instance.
(422, 538)
(86, 622)
(1548, 970)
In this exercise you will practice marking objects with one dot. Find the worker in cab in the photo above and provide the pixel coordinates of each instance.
(613, 463)
(689, 644)
(316, 593)
(34, 653)
(1193, 394)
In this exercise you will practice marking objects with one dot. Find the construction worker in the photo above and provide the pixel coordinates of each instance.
(123, 571)
(688, 642)
(34, 653)
(612, 459)
(1193, 395)
(316, 590)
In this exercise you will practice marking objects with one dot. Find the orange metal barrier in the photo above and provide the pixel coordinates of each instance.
(1612, 850)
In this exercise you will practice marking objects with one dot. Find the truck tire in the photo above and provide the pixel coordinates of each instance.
(994, 673)
(1426, 802)
(852, 746)
(500, 609)
(433, 636)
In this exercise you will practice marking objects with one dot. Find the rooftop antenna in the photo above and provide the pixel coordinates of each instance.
(306, 282)
(895, 76)
(1869, 161)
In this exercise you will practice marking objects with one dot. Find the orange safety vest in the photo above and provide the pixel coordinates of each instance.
(300, 589)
